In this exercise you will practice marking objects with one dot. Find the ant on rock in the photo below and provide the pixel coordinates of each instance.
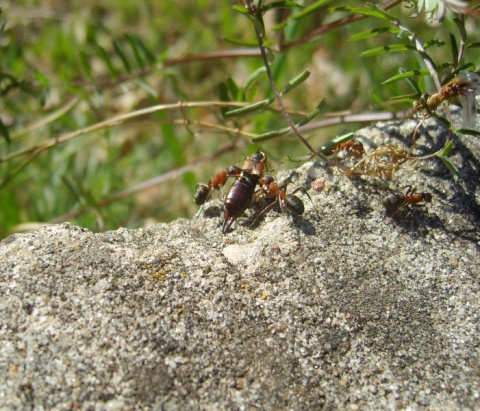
(241, 193)
(289, 202)
(351, 148)
(399, 204)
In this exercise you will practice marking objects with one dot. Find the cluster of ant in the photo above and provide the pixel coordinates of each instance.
(242, 191)
(382, 163)
(252, 176)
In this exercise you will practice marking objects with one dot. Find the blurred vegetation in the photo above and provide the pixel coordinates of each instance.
(112, 111)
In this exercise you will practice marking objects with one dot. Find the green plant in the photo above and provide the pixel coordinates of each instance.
(110, 112)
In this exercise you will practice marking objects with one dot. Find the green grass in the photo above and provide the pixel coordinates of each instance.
(70, 66)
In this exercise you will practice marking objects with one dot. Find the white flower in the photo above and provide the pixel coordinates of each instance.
(435, 10)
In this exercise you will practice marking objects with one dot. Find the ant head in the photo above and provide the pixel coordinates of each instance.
(234, 171)
(427, 197)
(268, 179)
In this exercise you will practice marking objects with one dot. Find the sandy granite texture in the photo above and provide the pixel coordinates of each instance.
(339, 309)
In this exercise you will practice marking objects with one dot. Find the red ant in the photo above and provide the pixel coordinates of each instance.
(401, 204)
(203, 192)
(290, 202)
(351, 148)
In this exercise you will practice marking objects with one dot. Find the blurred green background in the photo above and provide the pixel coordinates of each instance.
(70, 69)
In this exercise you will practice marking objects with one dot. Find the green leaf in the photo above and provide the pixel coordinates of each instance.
(133, 42)
(260, 104)
(455, 72)
(451, 166)
(149, 54)
(233, 89)
(335, 142)
(468, 131)
(241, 9)
(112, 71)
(45, 91)
(296, 81)
(405, 75)
(147, 87)
(250, 108)
(314, 113)
(271, 134)
(404, 99)
(374, 32)
(443, 66)
(453, 49)
(310, 9)
(85, 62)
(393, 48)
(120, 53)
(41, 78)
(253, 78)
(446, 150)
(281, 4)
(461, 28)
(246, 43)
(433, 43)
(257, 20)
(442, 120)
(369, 10)
(412, 83)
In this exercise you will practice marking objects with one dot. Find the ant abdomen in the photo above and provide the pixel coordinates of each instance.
(202, 193)
(294, 204)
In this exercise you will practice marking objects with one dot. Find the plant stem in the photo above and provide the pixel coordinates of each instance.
(284, 111)
(421, 50)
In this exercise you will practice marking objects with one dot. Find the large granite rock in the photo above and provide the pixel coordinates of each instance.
(339, 309)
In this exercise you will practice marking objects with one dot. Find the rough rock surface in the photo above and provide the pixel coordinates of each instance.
(339, 309)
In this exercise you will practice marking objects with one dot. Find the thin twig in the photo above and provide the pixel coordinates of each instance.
(354, 118)
(116, 121)
(285, 113)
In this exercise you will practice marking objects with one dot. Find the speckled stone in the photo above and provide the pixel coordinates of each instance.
(339, 309)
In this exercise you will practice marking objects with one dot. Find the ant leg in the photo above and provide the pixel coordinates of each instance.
(264, 211)
(269, 189)
(410, 191)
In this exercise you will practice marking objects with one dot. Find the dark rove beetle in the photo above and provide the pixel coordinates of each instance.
(241, 193)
